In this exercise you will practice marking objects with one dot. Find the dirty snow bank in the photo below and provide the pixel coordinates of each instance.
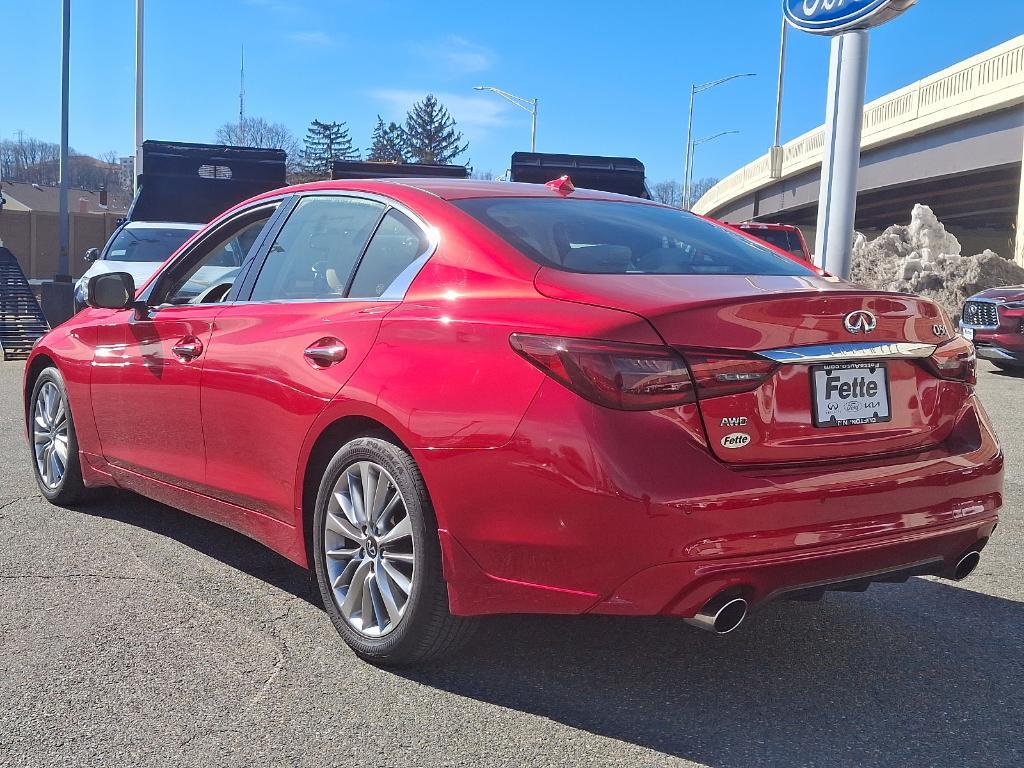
(925, 259)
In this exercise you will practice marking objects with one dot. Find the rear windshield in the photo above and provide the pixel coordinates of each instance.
(144, 244)
(612, 237)
(780, 238)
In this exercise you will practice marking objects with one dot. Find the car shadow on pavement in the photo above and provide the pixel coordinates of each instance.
(925, 674)
(229, 547)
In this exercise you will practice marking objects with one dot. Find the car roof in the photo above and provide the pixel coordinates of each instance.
(453, 189)
(162, 225)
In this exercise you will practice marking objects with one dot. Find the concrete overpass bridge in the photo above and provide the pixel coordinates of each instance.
(954, 141)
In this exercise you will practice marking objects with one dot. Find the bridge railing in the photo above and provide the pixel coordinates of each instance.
(984, 83)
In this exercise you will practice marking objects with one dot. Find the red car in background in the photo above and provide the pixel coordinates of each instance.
(456, 398)
(785, 237)
(994, 321)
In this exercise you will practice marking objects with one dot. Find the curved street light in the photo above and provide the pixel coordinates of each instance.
(694, 90)
(530, 105)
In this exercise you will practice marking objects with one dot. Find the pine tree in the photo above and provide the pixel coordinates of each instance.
(430, 133)
(324, 143)
(388, 143)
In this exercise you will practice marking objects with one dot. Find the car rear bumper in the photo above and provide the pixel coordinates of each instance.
(588, 509)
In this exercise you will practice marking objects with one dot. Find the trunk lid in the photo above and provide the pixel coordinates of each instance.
(774, 421)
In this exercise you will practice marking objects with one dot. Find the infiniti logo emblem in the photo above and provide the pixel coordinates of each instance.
(860, 321)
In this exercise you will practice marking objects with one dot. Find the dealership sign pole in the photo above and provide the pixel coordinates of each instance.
(847, 22)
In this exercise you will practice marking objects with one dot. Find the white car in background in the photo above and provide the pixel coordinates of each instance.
(140, 247)
(136, 247)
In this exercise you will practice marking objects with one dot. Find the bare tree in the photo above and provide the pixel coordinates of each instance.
(668, 192)
(701, 187)
(261, 134)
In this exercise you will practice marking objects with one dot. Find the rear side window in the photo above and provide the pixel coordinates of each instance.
(316, 250)
(780, 238)
(397, 244)
(612, 237)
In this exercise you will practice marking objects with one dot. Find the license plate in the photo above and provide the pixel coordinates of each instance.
(847, 394)
(968, 333)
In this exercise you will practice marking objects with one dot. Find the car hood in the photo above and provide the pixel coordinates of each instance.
(140, 271)
(1009, 293)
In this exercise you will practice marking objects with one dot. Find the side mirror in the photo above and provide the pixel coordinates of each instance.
(111, 290)
(92, 254)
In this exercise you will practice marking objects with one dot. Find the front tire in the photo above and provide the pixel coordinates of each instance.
(54, 445)
(378, 559)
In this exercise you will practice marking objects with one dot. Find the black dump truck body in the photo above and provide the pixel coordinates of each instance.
(622, 175)
(194, 183)
(357, 169)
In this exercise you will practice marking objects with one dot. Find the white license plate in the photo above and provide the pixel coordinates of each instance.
(846, 394)
(968, 333)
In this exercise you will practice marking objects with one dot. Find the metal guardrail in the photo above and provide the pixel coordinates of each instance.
(929, 103)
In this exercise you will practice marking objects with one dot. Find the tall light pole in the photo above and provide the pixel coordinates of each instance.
(776, 151)
(693, 149)
(139, 40)
(63, 225)
(530, 105)
(694, 90)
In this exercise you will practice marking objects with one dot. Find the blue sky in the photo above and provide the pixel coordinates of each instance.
(612, 78)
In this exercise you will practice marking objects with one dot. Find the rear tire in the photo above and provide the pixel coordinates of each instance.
(382, 543)
(53, 444)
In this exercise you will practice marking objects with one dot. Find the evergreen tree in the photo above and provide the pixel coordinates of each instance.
(388, 143)
(430, 133)
(324, 143)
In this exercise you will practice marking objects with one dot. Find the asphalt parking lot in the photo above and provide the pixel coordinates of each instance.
(133, 634)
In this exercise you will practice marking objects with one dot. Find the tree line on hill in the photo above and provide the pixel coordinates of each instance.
(428, 135)
(35, 161)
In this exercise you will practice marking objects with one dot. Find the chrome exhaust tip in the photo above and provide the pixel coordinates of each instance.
(721, 615)
(965, 565)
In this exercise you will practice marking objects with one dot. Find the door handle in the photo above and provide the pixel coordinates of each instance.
(188, 349)
(326, 352)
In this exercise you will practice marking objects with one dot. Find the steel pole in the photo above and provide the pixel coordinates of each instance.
(63, 263)
(139, 59)
(782, 78)
(533, 129)
(689, 151)
(837, 204)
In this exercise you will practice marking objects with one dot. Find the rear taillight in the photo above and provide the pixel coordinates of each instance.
(641, 377)
(628, 377)
(729, 373)
(955, 360)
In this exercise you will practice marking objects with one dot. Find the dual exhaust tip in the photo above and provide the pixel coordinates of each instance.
(723, 614)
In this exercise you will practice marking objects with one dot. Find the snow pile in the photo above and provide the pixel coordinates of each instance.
(925, 259)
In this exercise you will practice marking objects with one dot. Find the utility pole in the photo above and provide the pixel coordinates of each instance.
(241, 97)
(776, 154)
(63, 263)
(139, 40)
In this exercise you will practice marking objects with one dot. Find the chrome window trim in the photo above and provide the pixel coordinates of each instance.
(401, 284)
(853, 351)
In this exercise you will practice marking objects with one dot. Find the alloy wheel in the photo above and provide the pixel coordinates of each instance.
(369, 549)
(50, 434)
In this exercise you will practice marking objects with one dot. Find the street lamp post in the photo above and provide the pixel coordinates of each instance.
(693, 149)
(139, 61)
(694, 90)
(530, 105)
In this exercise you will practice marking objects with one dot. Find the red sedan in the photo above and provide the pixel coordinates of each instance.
(457, 398)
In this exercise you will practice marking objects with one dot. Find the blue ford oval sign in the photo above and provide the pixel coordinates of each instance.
(829, 17)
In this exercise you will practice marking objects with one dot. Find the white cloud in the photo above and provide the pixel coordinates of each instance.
(474, 114)
(458, 56)
(313, 38)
